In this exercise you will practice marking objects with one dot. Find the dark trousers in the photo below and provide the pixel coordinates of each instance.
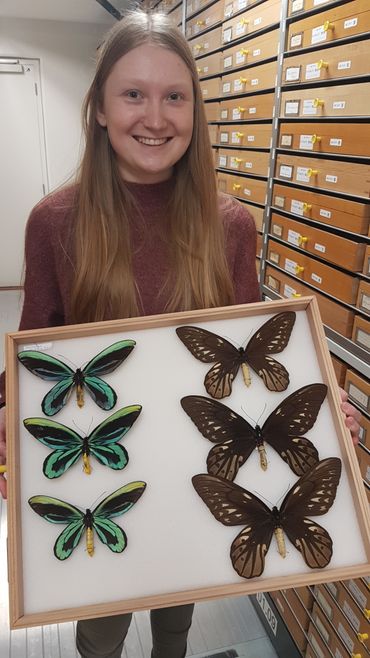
(104, 637)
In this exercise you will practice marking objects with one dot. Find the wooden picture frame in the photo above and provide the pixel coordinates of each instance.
(180, 539)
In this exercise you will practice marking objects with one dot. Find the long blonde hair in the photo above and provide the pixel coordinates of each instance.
(104, 285)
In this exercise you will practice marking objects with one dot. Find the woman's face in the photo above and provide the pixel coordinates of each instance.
(148, 105)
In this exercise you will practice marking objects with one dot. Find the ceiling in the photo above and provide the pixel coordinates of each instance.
(82, 11)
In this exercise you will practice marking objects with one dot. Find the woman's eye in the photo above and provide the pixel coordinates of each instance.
(132, 94)
(175, 96)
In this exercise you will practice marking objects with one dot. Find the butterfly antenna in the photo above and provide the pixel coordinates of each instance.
(98, 499)
(248, 416)
(257, 493)
(67, 360)
(261, 414)
(282, 496)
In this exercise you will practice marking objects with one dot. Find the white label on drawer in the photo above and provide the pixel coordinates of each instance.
(274, 257)
(339, 105)
(362, 435)
(240, 57)
(321, 628)
(365, 301)
(234, 163)
(266, 609)
(297, 207)
(367, 476)
(305, 142)
(222, 160)
(335, 142)
(292, 73)
(290, 266)
(294, 237)
(286, 140)
(250, 138)
(238, 85)
(256, 52)
(331, 179)
(289, 291)
(205, 69)
(224, 138)
(312, 71)
(356, 593)
(319, 34)
(228, 11)
(302, 174)
(205, 92)
(277, 230)
(254, 82)
(309, 108)
(257, 21)
(363, 338)
(345, 637)
(248, 165)
(297, 5)
(291, 107)
(348, 611)
(240, 28)
(296, 40)
(236, 113)
(325, 213)
(351, 22)
(332, 588)
(316, 3)
(252, 110)
(344, 65)
(226, 87)
(272, 283)
(224, 114)
(285, 171)
(228, 61)
(360, 397)
(316, 646)
(247, 192)
(320, 247)
(324, 604)
(235, 138)
(316, 278)
(242, 4)
(227, 34)
(279, 201)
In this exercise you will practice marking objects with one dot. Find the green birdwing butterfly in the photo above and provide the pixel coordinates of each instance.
(58, 511)
(68, 446)
(51, 369)
(312, 495)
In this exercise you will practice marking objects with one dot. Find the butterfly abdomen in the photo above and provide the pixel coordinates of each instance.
(79, 383)
(261, 447)
(279, 534)
(86, 457)
(89, 533)
(244, 366)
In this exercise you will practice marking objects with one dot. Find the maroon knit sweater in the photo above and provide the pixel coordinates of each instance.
(49, 265)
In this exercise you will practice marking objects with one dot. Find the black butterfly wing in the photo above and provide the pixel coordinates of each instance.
(313, 495)
(219, 424)
(232, 505)
(271, 338)
(291, 419)
(208, 347)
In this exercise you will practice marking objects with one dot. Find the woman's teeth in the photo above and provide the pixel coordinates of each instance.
(150, 141)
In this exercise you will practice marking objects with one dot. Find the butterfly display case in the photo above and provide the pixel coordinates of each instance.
(144, 472)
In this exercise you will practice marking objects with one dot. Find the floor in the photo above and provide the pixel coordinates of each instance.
(218, 626)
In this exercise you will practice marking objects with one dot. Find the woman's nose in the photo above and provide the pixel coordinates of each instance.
(155, 115)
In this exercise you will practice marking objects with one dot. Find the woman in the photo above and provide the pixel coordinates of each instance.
(142, 231)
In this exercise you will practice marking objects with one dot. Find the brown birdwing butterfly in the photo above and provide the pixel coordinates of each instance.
(236, 439)
(313, 494)
(271, 338)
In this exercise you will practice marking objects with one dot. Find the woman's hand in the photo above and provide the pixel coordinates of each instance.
(2, 451)
(353, 416)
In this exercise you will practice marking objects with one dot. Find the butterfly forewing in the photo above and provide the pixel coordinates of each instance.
(110, 358)
(44, 366)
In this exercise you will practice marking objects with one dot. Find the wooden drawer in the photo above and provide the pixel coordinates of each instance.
(249, 80)
(328, 246)
(347, 634)
(365, 431)
(210, 65)
(347, 61)
(358, 390)
(366, 268)
(324, 277)
(206, 43)
(247, 162)
(344, 214)
(338, 138)
(215, 157)
(176, 15)
(337, 101)
(249, 189)
(333, 315)
(213, 132)
(248, 108)
(251, 52)
(257, 214)
(259, 245)
(195, 5)
(210, 88)
(232, 7)
(296, 6)
(250, 135)
(361, 332)
(212, 110)
(206, 19)
(340, 369)
(334, 175)
(331, 24)
(363, 298)
(256, 18)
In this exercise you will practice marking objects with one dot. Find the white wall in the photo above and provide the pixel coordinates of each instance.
(66, 51)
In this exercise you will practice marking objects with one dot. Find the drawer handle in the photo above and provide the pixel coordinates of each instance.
(244, 21)
(302, 240)
(243, 81)
(243, 51)
(363, 636)
(328, 26)
(298, 269)
(318, 102)
(241, 109)
(198, 46)
(236, 187)
(356, 655)
(296, 295)
(312, 172)
(366, 613)
(238, 160)
(200, 22)
(322, 65)
(307, 207)
(315, 139)
(239, 135)
(199, 70)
